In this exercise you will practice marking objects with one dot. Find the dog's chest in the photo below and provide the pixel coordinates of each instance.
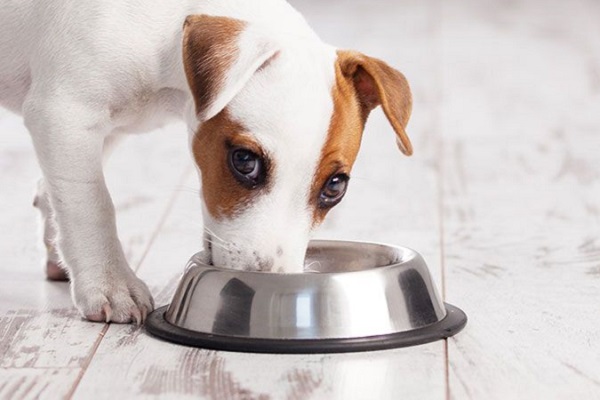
(146, 109)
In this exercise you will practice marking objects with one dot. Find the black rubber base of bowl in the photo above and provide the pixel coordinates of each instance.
(453, 323)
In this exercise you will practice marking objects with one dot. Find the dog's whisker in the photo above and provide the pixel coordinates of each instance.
(210, 231)
(214, 235)
(197, 189)
(221, 243)
(228, 246)
(222, 246)
(307, 267)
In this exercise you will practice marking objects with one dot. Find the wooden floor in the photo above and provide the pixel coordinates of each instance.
(502, 197)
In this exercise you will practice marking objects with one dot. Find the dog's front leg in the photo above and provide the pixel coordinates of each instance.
(68, 139)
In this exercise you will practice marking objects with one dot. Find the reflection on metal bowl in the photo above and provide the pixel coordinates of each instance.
(360, 296)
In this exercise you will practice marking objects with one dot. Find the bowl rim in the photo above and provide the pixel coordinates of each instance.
(414, 255)
(451, 323)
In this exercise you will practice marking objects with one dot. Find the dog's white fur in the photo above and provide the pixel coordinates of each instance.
(81, 72)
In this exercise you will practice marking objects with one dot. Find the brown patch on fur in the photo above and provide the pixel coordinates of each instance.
(361, 84)
(223, 195)
(377, 83)
(209, 50)
(343, 139)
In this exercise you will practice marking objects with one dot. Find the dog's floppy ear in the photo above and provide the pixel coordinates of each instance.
(216, 63)
(376, 83)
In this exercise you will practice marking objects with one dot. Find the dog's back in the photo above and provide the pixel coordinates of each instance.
(15, 43)
(116, 54)
(123, 53)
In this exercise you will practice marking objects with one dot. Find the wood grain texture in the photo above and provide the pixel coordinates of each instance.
(34, 383)
(521, 190)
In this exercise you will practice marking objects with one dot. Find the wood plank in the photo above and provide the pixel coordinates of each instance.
(48, 383)
(392, 199)
(521, 191)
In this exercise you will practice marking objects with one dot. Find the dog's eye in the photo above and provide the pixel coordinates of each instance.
(333, 190)
(247, 167)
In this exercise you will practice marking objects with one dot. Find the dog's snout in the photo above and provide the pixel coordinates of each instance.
(276, 259)
(269, 250)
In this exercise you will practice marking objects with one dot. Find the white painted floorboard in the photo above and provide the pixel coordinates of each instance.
(502, 197)
(521, 197)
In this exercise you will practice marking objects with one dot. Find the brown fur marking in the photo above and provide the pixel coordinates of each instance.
(209, 50)
(377, 83)
(343, 140)
(223, 195)
(361, 84)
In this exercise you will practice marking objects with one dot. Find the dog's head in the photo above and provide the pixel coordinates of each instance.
(277, 124)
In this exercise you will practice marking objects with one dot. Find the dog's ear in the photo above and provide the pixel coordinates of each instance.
(376, 83)
(220, 55)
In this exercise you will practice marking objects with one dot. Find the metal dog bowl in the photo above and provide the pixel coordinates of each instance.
(363, 296)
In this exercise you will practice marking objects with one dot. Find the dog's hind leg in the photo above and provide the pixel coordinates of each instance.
(54, 271)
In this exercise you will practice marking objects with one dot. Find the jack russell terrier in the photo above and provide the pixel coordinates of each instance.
(275, 118)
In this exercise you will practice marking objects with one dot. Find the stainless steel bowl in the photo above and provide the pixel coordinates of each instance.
(361, 296)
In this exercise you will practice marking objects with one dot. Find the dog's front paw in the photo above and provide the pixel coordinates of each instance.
(112, 296)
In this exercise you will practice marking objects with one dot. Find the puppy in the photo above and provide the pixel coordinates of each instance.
(275, 118)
